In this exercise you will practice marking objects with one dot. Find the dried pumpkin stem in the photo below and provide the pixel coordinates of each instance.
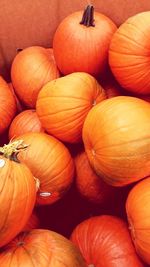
(12, 149)
(88, 17)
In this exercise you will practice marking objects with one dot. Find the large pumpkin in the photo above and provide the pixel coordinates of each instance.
(88, 35)
(18, 192)
(116, 137)
(104, 241)
(50, 162)
(129, 54)
(41, 248)
(32, 68)
(138, 213)
(64, 103)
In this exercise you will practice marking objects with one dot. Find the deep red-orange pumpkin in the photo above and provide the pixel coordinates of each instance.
(104, 241)
(50, 162)
(24, 122)
(7, 105)
(138, 213)
(129, 53)
(116, 136)
(81, 42)
(31, 69)
(89, 184)
(64, 103)
(18, 193)
(41, 248)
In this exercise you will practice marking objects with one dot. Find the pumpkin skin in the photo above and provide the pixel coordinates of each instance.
(31, 69)
(104, 241)
(129, 54)
(116, 136)
(88, 42)
(50, 162)
(138, 213)
(18, 193)
(18, 103)
(7, 105)
(89, 184)
(41, 248)
(63, 104)
(24, 122)
(32, 223)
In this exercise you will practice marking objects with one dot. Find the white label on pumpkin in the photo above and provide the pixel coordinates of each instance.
(2, 163)
(45, 194)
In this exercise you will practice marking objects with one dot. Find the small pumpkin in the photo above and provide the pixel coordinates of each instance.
(138, 213)
(50, 161)
(63, 104)
(105, 241)
(25, 121)
(32, 68)
(116, 136)
(18, 192)
(129, 53)
(41, 248)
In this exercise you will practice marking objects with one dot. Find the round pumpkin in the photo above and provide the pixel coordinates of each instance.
(88, 35)
(7, 105)
(24, 122)
(50, 161)
(64, 103)
(138, 213)
(32, 68)
(105, 241)
(129, 54)
(18, 192)
(116, 138)
(89, 184)
(41, 248)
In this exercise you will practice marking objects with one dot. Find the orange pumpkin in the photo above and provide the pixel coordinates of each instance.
(26, 121)
(116, 137)
(31, 69)
(50, 162)
(41, 248)
(18, 103)
(138, 213)
(7, 105)
(63, 104)
(18, 192)
(88, 36)
(129, 54)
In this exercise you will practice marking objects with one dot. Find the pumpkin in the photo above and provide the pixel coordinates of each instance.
(41, 248)
(105, 241)
(7, 106)
(88, 36)
(138, 213)
(89, 184)
(32, 223)
(18, 103)
(116, 136)
(129, 54)
(31, 69)
(63, 104)
(18, 192)
(50, 161)
(26, 121)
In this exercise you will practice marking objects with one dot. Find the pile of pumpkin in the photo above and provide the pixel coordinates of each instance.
(78, 114)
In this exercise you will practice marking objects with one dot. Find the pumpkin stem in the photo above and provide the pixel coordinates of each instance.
(19, 50)
(88, 17)
(12, 149)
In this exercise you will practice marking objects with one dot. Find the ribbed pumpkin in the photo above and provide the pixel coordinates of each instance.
(64, 103)
(24, 122)
(81, 42)
(7, 105)
(31, 69)
(41, 248)
(116, 137)
(104, 241)
(129, 53)
(138, 213)
(18, 192)
(50, 162)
